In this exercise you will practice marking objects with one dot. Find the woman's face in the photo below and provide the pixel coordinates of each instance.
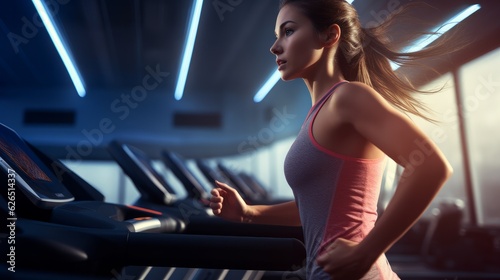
(297, 46)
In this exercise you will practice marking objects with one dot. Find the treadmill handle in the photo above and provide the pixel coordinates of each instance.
(222, 252)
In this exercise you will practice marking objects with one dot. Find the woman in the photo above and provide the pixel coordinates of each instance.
(335, 165)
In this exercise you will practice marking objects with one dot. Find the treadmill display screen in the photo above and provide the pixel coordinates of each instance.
(32, 176)
(21, 159)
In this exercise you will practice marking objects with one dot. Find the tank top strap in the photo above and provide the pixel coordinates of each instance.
(323, 99)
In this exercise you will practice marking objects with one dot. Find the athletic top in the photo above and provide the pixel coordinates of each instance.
(336, 195)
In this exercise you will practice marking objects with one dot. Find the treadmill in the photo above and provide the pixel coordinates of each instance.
(177, 164)
(250, 189)
(193, 211)
(53, 236)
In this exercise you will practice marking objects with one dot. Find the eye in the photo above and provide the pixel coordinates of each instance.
(288, 32)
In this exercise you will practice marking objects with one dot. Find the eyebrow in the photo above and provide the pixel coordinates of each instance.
(283, 24)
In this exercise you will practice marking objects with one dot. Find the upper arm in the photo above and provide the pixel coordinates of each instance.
(387, 128)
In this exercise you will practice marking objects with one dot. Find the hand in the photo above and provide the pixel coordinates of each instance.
(227, 203)
(341, 260)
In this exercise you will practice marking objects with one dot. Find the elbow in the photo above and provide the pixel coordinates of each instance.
(449, 170)
(442, 169)
(435, 169)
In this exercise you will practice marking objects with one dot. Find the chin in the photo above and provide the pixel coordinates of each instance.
(287, 77)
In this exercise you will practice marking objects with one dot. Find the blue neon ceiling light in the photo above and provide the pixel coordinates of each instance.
(426, 40)
(188, 51)
(60, 46)
(264, 90)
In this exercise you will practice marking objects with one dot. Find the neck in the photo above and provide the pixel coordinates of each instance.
(326, 75)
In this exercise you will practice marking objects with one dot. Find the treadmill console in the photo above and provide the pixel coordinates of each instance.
(25, 171)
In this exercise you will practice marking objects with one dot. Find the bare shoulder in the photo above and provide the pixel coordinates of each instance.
(356, 92)
(358, 100)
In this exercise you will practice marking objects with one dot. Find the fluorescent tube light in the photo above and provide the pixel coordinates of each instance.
(264, 90)
(60, 46)
(188, 51)
(426, 40)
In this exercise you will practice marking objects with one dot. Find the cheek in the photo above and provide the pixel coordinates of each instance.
(307, 56)
(306, 51)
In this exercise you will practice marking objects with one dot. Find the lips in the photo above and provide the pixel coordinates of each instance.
(280, 62)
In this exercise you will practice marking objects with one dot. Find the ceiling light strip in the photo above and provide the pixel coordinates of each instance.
(188, 51)
(264, 90)
(60, 46)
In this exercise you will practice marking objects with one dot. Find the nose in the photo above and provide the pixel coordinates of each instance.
(276, 49)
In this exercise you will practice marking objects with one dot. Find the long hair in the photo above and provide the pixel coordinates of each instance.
(364, 54)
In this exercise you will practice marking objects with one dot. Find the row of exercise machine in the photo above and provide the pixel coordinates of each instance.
(61, 227)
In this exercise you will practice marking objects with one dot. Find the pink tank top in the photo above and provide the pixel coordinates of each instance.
(336, 195)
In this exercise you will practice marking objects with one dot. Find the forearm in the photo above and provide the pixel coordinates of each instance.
(414, 193)
(285, 214)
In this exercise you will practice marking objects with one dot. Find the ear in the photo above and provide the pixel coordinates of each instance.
(332, 35)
